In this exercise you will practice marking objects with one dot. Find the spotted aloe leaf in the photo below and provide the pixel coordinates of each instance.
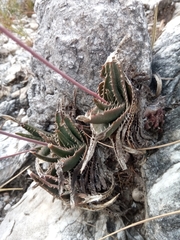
(116, 90)
(66, 143)
(98, 116)
(78, 138)
(68, 134)
(70, 162)
(63, 139)
(45, 158)
(43, 154)
(68, 151)
(34, 132)
(62, 152)
(106, 118)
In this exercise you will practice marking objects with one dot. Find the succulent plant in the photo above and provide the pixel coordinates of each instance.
(114, 118)
(77, 172)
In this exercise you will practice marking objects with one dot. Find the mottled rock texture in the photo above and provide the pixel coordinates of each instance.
(10, 146)
(15, 74)
(45, 219)
(77, 37)
(163, 167)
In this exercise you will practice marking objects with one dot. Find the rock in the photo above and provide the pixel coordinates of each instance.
(11, 73)
(24, 119)
(3, 54)
(22, 113)
(10, 146)
(3, 39)
(22, 94)
(78, 41)
(77, 38)
(34, 16)
(7, 207)
(33, 25)
(163, 167)
(4, 91)
(138, 195)
(24, 20)
(11, 47)
(28, 30)
(14, 76)
(53, 221)
(8, 107)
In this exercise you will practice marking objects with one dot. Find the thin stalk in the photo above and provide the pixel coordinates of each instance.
(10, 189)
(43, 60)
(140, 222)
(159, 146)
(23, 138)
(15, 154)
(4, 184)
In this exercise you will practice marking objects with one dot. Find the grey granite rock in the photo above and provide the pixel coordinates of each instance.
(41, 218)
(15, 73)
(163, 166)
(51, 220)
(9, 166)
(77, 36)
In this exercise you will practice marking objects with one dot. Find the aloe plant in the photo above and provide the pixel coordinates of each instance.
(76, 172)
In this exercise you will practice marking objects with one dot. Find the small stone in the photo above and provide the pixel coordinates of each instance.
(21, 112)
(7, 207)
(11, 47)
(15, 94)
(28, 42)
(23, 94)
(7, 107)
(28, 31)
(3, 53)
(11, 73)
(5, 91)
(24, 119)
(137, 195)
(3, 39)
(34, 16)
(9, 124)
(16, 21)
(24, 20)
(33, 26)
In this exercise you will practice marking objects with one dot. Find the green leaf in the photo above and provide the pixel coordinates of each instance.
(62, 152)
(45, 158)
(71, 162)
(107, 116)
(77, 135)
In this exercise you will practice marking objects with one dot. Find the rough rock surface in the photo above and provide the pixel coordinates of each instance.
(53, 221)
(163, 167)
(52, 216)
(78, 39)
(11, 146)
(15, 75)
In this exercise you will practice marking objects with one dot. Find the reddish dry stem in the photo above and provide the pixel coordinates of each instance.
(23, 138)
(15, 154)
(40, 58)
